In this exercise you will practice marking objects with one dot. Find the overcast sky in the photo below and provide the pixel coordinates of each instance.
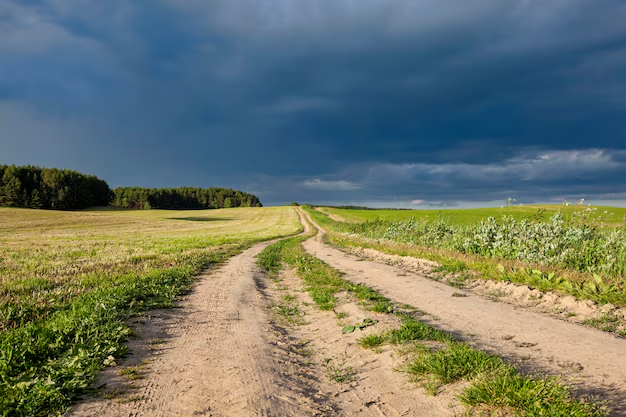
(384, 102)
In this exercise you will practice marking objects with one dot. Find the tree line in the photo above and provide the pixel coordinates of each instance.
(182, 198)
(63, 189)
(51, 188)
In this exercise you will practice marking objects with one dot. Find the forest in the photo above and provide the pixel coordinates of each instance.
(182, 198)
(51, 188)
(63, 189)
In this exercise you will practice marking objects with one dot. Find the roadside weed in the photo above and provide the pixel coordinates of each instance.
(608, 323)
(131, 373)
(412, 329)
(340, 314)
(372, 341)
(456, 361)
(338, 371)
(350, 328)
(531, 396)
(289, 312)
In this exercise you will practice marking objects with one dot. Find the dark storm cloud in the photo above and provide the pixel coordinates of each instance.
(368, 100)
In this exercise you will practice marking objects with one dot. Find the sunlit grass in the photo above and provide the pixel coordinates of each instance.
(473, 216)
(57, 246)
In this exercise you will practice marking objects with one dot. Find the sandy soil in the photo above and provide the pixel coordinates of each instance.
(217, 355)
(565, 307)
(593, 361)
(377, 390)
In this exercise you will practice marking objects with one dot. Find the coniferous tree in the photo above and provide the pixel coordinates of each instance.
(182, 198)
(51, 188)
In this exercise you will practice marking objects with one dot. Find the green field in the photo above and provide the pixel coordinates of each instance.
(610, 216)
(68, 281)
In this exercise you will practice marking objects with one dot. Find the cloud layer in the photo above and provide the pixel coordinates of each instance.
(368, 100)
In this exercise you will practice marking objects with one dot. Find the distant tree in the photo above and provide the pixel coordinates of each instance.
(11, 190)
(35, 200)
(51, 188)
(182, 198)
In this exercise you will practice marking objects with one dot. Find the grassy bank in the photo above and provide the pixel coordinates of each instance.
(68, 281)
(491, 381)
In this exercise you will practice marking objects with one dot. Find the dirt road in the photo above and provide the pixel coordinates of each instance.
(215, 357)
(593, 361)
(224, 353)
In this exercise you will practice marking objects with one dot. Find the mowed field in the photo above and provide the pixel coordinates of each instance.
(610, 216)
(68, 280)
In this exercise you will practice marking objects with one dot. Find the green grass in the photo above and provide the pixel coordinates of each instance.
(457, 361)
(321, 281)
(289, 312)
(372, 341)
(534, 397)
(69, 280)
(412, 330)
(374, 301)
(473, 216)
(495, 383)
